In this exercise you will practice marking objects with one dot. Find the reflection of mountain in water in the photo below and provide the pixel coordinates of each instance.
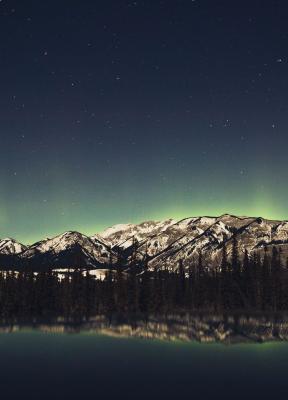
(204, 328)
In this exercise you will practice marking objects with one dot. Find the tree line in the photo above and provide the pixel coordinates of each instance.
(249, 283)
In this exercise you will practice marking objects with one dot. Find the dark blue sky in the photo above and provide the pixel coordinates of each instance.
(118, 111)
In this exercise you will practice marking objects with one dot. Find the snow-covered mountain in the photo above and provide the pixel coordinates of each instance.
(161, 243)
(10, 246)
(168, 242)
(68, 250)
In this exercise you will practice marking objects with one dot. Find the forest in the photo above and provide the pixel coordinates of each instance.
(250, 283)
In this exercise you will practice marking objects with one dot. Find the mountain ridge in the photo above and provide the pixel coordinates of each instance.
(159, 243)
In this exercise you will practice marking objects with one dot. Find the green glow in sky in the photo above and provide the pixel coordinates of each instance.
(35, 220)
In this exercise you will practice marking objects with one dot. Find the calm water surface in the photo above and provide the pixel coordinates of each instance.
(87, 366)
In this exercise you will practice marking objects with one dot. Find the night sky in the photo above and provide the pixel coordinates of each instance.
(122, 111)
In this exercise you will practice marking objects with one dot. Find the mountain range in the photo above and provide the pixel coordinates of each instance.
(159, 243)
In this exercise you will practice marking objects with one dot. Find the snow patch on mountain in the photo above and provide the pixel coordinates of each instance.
(122, 235)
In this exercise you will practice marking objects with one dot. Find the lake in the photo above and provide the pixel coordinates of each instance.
(60, 363)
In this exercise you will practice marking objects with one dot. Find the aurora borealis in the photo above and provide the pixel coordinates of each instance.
(122, 111)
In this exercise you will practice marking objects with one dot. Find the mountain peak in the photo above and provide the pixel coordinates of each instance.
(11, 246)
